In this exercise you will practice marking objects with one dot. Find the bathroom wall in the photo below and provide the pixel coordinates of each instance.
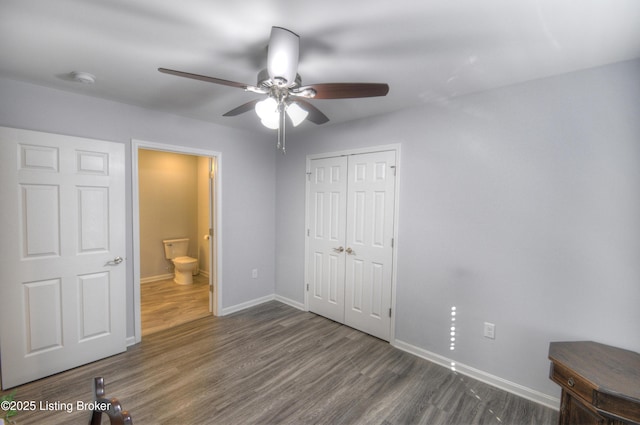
(168, 187)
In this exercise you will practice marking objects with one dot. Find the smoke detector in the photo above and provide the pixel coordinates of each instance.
(83, 77)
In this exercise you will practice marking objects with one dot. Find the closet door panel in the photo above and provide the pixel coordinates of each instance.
(369, 242)
(327, 211)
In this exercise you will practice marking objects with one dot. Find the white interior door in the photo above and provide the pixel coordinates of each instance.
(63, 285)
(351, 204)
(369, 243)
(327, 217)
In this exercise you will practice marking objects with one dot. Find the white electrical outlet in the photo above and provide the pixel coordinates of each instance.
(254, 273)
(489, 330)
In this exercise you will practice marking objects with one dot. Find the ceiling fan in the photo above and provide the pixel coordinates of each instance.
(286, 96)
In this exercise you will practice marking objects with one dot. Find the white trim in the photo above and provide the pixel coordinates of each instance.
(168, 276)
(262, 300)
(356, 151)
(217, 226)
(150, 279)
(247, 304)
(487, 378)
(372, 149)
(290, 302)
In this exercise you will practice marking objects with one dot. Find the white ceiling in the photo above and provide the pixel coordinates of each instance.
(426, 50)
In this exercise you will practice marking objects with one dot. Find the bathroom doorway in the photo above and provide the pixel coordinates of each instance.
(175, 198)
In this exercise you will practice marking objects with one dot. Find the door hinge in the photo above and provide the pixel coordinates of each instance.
(309, 175)
(394, 169)
(389, 312)
(307, 287)
(392, 242)
(308, 232)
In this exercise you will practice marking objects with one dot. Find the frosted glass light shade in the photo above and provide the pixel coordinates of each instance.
(267, 110)
(296, 113)
(282, 56)
(272, 122)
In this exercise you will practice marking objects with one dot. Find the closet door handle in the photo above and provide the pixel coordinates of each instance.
(350, 251)
(338, 249)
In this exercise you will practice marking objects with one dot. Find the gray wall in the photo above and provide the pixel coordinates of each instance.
(519, 206)
(247, 167)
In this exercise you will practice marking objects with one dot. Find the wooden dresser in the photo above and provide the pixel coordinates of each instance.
(600, 384)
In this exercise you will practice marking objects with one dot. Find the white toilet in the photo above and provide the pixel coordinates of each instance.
(185, 267)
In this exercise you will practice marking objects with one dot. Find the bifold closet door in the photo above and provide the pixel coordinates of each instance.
(351, 221)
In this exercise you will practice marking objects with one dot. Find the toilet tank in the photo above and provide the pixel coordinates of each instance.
(175, 248)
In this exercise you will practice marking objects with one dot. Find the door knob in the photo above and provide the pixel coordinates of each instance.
(350, 251)
(118, 260)
(338, 249)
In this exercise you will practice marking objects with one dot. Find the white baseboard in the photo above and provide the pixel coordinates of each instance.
(257, 301)
(131, 340)
(156, 278)
(166, 277)
(251, 303)
(487, 378)
(290, 302)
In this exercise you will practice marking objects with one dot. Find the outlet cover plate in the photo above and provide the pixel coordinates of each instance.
(489, 330)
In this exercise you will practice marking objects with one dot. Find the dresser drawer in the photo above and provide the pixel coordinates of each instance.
(567, 379)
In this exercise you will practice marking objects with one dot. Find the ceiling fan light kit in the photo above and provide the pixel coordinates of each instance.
(267, 110)
(296, 113)
(283, 86)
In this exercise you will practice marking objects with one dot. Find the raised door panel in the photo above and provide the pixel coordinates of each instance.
(43, 311)
(39, 224)
(94, 305)
(93, 219)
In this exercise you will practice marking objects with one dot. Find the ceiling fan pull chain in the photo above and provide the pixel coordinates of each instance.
(281, 128)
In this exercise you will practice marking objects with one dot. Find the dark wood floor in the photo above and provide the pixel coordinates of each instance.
(273, 364)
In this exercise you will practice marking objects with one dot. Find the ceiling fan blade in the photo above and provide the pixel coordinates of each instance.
(282, 56)
(315, 115)
(346, 90)
(242, 108)
(204, 78)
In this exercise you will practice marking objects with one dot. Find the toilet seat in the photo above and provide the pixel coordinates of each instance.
(184, 260)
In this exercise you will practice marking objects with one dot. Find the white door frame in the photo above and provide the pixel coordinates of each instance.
(216, 264)
(392, 147)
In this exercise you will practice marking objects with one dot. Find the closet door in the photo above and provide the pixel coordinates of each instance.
(369, 242)
(350, 206)
(327, 209)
